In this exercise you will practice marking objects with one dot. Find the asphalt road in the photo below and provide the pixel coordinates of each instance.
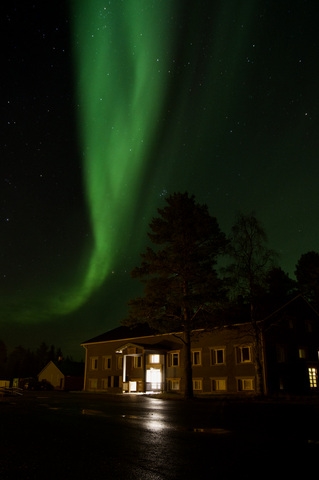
(66, 436)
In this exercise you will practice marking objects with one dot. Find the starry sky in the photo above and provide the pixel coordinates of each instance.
(109, 106)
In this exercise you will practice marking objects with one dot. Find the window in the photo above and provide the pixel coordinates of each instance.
(281, 353)
(196, 357)
(94, 363)
(138, 362)
(219, 384)
(197, 384)
(106, 383)
(244, 354)
(107, 362)
(92, 383)
(308, 326)
(174, 384)
(245, 384)
(154, 358)
(173, 359)
(313, 377)
(302, 352)
(218, 356)
(120, 362)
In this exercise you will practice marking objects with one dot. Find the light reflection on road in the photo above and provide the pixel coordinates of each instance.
(153, 421)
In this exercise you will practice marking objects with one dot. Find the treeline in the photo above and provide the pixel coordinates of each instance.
(23, 362)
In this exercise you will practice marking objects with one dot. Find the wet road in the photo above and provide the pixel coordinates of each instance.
(83, 436)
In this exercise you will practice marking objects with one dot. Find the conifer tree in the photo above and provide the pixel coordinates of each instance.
(179, 274)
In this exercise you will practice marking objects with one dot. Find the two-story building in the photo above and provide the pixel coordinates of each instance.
(125, 360)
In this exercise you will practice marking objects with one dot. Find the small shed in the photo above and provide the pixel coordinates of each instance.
(64, 375)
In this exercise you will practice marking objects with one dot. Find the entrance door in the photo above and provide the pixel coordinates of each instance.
(154, 378)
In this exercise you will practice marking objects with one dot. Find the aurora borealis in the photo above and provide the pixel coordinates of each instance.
(107, 106)
(121, 88)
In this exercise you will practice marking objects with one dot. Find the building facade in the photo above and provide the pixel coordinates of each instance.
(120, 361)
(125, 360)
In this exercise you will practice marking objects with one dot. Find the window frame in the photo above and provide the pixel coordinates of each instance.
(240, 356)
(152, 357)
(313, 377)
(138, 360)
(214, 355)
(93, 382)
(302, 353)
(173, 381)
(174, 359)
(242, 383)
(214, 380)
(199, 352)
(199, 382)
(94, 363)
(119, 362)
(107, 362)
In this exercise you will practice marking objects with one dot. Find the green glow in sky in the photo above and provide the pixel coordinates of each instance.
(120, 74)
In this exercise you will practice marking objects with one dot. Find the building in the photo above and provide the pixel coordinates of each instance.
(63, 375)
(125, 360)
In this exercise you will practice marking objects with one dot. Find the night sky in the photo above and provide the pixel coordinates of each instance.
(109, 106)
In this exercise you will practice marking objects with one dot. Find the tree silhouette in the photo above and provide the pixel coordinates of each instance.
(179, 275)
(307, 274)
(251, 262)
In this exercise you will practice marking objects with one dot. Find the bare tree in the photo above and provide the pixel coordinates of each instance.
(251, 261)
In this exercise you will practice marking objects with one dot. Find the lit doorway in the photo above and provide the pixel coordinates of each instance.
(154, 378)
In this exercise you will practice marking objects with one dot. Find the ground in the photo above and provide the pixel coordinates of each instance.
(79, 435)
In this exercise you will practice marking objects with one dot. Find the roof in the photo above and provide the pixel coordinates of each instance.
(122, 333)
(294, 307)
(67, 367)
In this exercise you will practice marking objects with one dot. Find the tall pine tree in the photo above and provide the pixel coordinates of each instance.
(179, 274)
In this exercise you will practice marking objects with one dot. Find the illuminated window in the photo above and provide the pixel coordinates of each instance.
(245, 384)
(107, 362)
(138, 362)
(155, 358)
(217, 356)
(219, 384)
(196, 357)
(94, 363)
(244, 354)
(313, 377)
(173, 359)
(197, 384)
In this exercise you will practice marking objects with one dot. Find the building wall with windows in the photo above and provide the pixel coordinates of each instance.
(222, 363)
(291, 338)
(223, 359)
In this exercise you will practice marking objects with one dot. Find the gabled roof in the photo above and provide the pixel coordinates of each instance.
(295, 307)
(67, 368)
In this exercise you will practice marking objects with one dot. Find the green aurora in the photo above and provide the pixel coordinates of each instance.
(124, 58)
(120, 58)
(213, 97)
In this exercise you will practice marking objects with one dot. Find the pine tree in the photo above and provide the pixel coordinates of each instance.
(179, 274)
